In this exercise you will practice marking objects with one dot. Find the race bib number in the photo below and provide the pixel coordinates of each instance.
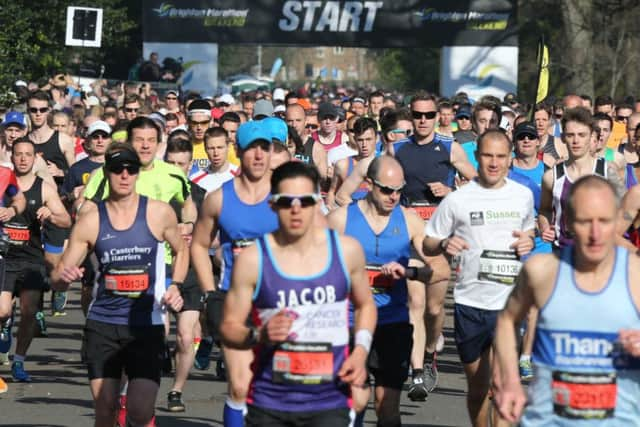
(499, 266)
(239, 245)
(424, 209)
(378, 281)
(130, 282)
(303, 363)
(18, 234)
(584, 395)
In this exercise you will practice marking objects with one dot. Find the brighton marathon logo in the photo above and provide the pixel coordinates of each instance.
(474, 20)
(211, 17)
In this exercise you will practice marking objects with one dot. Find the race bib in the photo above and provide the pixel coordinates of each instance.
(18, 233)
(584, 395)
(378, 281)
(303, 363)
(238, 246)
(130, 281)
(424, 209)
(499, 266)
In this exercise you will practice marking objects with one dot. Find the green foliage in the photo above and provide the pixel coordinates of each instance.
(33, 35)
(407, 69)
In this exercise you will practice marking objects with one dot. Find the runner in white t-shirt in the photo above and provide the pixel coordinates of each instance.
(486, 226)
(220, 170)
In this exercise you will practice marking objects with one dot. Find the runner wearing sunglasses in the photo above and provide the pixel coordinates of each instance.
(297, 282)
(124, 332)
(430, 162)
(387, 231)
(240, 211)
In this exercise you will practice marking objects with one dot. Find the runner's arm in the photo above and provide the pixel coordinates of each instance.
(461, 163)
(337, 219)
(59, 215)
(83, 237)
(350, 184)
(630, 207)
(545, 213)
(170, 234)
(361, 297)
(508, 393)
(68, 148)
(203, 234)
(238, 301)
(613, 176)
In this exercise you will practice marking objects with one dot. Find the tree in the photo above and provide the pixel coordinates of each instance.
(33, 33)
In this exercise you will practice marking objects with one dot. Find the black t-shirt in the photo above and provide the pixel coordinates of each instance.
(78, 174)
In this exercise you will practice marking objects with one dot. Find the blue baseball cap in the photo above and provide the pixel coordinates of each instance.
(278, 129)
(250, 132)
(14, 118)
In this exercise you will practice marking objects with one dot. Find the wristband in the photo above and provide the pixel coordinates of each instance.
(253, 338)
(364, 339)
(178, 284)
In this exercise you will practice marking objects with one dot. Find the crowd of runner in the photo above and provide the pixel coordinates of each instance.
(305, 243)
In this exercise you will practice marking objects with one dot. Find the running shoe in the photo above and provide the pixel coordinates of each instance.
(58, 303)
(174, 401)
(417, 390)
(430, 375)
(3, 386)
(526, 371)
(41, 331)
(19, 374)
(122, 411)
(203, 355)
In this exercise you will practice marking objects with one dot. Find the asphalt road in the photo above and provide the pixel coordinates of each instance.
(59, 394)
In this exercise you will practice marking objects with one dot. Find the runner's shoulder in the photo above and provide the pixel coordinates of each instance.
(541, 269)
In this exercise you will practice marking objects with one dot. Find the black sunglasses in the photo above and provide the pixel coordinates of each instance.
(429, 115)
(118, 168)
(131, 110)
(526, 136)
(386, 190)
(287, 200)
(34, 110)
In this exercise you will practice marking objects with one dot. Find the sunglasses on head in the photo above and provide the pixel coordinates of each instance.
(34, 110)
(385, 189)
(429, 115)
(118, 168)
(289, 200)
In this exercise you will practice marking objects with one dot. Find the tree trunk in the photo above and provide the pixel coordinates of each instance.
(576, 16)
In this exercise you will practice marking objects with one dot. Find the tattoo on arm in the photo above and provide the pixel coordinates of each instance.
(614, 178)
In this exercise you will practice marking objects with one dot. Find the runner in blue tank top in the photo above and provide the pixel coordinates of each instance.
(297, 284)
(124, 333)
(588, 338)
(387, 232)
(239, 210)
(429, 162)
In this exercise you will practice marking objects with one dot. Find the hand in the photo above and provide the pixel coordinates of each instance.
(455, 245)
(393, 269)
(509, 399)
(438, 189)
(548, 234)
(43, 214)
(524, 243)
(172, 298)
(353, 370)
(71, 274)
(278, 326)
(53, 169)
(7, 213)
(630, 340)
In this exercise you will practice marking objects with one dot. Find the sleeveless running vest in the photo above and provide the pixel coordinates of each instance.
(392, 244)
(561, 187)
(51, 152)
(300, 375)
(581, 377)
(131, 275)
(24, 229)
(425, 163)
(240, 224)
